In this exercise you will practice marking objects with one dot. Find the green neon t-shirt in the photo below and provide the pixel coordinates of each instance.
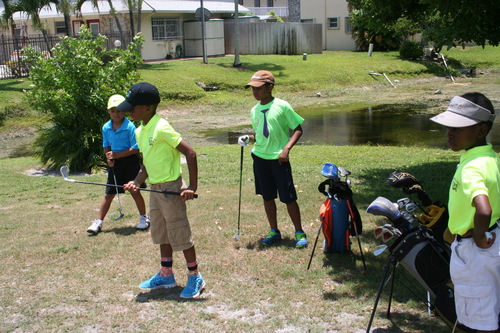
(157, 142)
(478, 173)
(280, 119)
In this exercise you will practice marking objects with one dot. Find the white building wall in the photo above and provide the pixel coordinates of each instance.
(320, 11)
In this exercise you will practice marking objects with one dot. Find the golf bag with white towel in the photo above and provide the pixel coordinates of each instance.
(339, 216)
(420, 249)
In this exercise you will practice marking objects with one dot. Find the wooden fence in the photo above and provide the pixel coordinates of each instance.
(288, 38)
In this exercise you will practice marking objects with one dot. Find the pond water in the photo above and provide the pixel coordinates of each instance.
(392, 125)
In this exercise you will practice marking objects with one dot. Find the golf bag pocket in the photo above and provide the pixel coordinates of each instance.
(423, 257)
(334, 215)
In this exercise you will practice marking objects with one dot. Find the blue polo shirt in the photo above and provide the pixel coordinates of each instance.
(120, 140)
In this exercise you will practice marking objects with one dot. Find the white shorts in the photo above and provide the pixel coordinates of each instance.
(475, 273)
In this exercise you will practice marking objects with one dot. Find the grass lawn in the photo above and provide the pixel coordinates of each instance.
(54, 277)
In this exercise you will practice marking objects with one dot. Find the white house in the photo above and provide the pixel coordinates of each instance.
(168, 26)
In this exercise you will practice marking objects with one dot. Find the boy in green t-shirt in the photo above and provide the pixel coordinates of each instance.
(474, 207)
(272, 120)
(161, 147)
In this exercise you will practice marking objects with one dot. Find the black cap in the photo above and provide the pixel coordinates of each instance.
(142, 93)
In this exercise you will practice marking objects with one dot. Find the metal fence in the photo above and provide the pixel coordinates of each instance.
(12, 63)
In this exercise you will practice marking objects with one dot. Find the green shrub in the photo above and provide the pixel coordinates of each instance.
(73, 86)
(411, 50)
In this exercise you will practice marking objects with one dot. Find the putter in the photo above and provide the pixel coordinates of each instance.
(237, 234)
(118, 195)
(64, 172)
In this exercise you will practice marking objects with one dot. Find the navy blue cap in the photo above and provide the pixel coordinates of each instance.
(142, 93)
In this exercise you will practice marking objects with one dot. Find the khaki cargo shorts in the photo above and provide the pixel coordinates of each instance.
(169, 222)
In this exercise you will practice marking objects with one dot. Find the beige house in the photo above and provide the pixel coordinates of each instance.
(332, 14)
(169, 27)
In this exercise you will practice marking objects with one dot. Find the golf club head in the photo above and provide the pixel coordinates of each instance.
(344, 172)
(403, 202)
(65, 173)
(411, 207)
(384, 207)
(330, 170)
(119, 217)
(379, 249)
(236, 236)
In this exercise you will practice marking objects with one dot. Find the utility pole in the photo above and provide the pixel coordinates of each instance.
(203, 40)
(237, 62)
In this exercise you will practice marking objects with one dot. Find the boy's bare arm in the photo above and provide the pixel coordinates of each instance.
(111, 155)
(482, 219)
(134, 185)
(192, 163)
(297, 133)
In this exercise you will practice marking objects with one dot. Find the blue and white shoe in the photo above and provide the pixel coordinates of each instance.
(158, 281)
(195, 285)
(301, 240)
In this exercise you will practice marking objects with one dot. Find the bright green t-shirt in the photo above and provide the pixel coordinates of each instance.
(157, 142)
(478, 173)
(281, 118)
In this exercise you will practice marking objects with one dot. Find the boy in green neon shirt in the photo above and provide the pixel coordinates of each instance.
(161, 147)
(272, 120)
(474, 207)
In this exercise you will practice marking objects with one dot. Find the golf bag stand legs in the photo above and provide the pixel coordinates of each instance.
(390, 261)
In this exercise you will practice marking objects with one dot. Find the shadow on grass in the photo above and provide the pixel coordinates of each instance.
(163, 294)
(124, 231)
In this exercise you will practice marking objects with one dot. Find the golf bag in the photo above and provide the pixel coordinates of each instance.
(422, 250)
(339, 216)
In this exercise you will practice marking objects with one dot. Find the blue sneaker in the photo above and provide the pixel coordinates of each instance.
(158, 281)
(195, 285)
(272, 236)
(301, 238)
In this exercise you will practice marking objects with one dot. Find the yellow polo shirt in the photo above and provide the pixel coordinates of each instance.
(157, 142)
(478, 173)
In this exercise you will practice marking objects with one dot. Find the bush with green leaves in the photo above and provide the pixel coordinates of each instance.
(411, 50)
(73, 86)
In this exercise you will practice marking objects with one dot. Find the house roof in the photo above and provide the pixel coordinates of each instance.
(148, 7)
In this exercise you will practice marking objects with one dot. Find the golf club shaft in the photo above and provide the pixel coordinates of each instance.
(241, 180)
(117, 193)
(121, 186)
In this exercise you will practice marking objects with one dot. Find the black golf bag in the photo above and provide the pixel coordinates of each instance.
(421, 249)
(339, 215)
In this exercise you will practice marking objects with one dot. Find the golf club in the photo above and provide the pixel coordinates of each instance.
(315, 243)
(64, 172)
(237, 234)
(117, 195)
(379, 249)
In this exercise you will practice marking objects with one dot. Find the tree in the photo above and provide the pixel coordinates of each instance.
(73, 87)
(448, 22)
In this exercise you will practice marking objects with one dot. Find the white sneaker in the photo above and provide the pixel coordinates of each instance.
(95, 228)
(143, 223)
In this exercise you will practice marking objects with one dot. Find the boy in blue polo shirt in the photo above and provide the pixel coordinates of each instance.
(120, 147)
(272, 120)
(474, 207)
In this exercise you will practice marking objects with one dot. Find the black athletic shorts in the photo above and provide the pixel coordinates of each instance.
(125, 169)
(273, 178)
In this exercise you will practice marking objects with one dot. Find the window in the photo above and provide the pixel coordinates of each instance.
(94, 27)
(240, 2)
(270, 3)
(165, 28)
(307, 20)
(348, 28)
(60, 27)
(333, 23)
(256, 3)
